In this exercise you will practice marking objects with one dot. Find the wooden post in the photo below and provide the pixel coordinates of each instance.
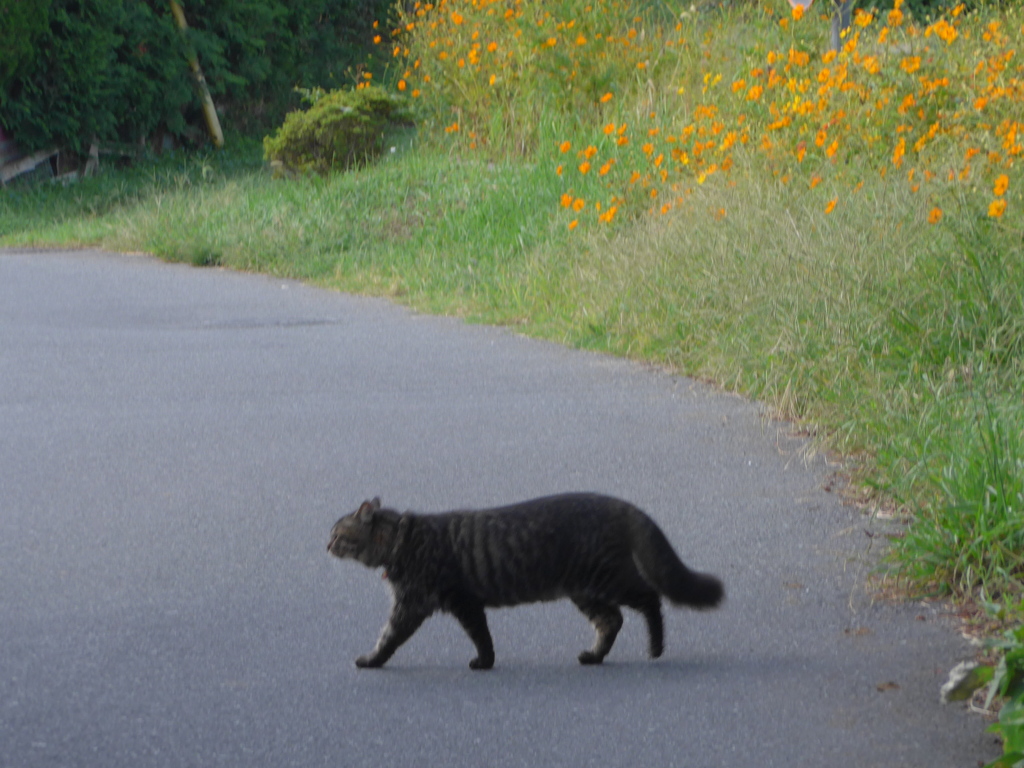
(209, 111)
(840, 21)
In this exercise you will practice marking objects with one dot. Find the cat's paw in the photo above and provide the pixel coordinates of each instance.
(479, 663)
(589, 657)
(656, 651)
(369, 661)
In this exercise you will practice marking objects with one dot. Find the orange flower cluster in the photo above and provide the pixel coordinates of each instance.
(836, 110)
(895, 97)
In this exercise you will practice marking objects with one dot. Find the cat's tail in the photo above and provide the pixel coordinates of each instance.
(663, 569)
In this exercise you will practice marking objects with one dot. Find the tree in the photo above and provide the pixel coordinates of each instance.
(116, 70)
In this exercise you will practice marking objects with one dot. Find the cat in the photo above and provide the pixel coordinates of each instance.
(600, 552)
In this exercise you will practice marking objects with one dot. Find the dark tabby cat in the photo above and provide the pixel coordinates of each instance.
(599, 552)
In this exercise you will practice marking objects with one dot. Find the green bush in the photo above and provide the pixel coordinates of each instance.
(341, 129)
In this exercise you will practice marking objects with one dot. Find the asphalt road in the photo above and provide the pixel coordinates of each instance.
(176, 443)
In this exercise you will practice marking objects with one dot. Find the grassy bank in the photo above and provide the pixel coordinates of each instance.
(810, 275)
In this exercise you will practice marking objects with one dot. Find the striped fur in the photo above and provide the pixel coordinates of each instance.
(600, 552)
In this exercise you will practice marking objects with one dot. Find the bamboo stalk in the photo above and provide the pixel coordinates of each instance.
(209, 111)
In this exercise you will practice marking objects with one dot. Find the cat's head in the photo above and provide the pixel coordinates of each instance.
(366, 535)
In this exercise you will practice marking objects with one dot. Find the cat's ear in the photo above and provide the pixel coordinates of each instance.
(368, 507)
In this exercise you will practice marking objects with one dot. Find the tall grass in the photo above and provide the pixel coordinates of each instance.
(970, 535)
(692, 188)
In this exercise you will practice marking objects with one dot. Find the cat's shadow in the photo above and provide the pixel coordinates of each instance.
(527, 676)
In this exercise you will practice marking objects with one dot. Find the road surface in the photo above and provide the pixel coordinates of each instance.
(176, 443)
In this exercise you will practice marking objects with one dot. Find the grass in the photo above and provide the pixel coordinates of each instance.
(815, 277)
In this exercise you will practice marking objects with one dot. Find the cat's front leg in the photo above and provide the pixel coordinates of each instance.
(400, 627)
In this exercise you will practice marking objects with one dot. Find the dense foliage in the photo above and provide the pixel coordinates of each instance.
(341, 129)
(72, 70)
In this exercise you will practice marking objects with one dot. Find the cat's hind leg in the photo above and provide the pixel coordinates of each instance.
(607, 621)
(473, 619)
(648, 603)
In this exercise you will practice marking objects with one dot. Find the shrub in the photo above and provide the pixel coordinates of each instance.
(341, 129)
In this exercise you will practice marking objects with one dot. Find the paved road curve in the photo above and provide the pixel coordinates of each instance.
(176, 443)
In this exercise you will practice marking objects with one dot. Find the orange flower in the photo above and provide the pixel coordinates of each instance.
(935, 216)
(564, 147)
(590, 151)
(609, 129)
(997, 208)
(606, 98)
(585, 166)
(401, 85)
(603, 170)
(456, 18)
(831, 205)
(910, 64)
(898, 152)
(943, 30)
(575, 222)
(1001, 185)
(798, 12)
(895, 17)
(566, 200)
(579, 204)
